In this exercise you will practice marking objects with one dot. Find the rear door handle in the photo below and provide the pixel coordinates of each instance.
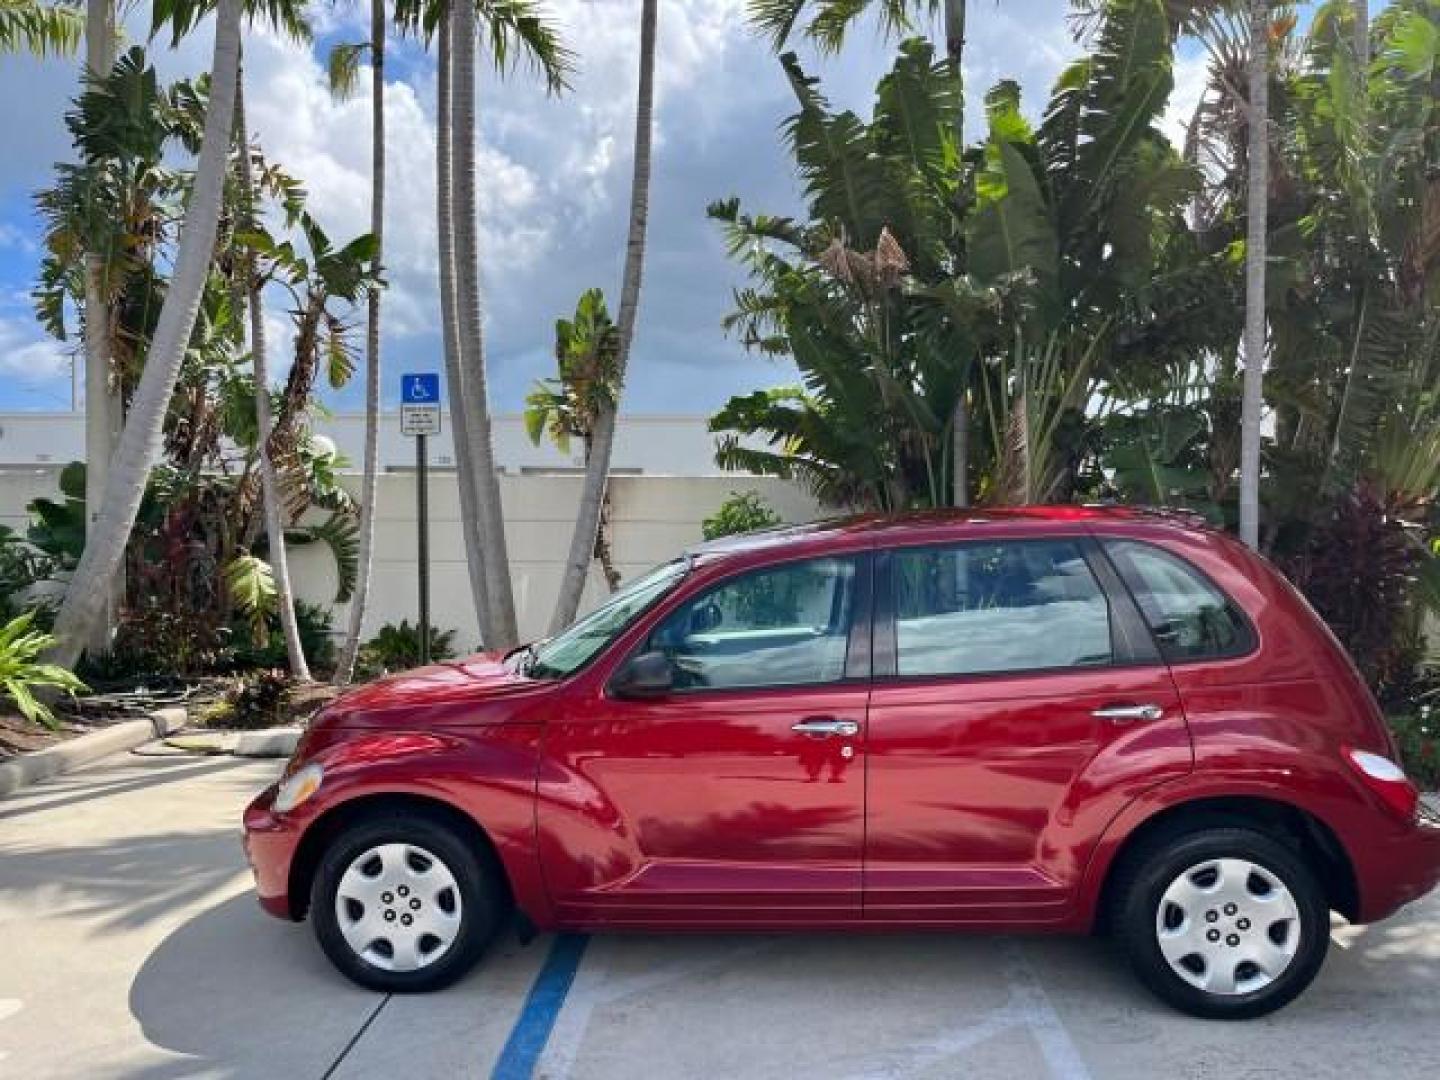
(1126, 714)
(825, 727)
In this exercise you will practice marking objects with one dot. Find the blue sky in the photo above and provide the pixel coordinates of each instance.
(554, 178)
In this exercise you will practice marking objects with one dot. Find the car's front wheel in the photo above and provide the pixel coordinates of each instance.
(402, 903)
(1225, 923)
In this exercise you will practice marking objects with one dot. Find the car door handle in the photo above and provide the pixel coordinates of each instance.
(1125, 714)
(825, 726)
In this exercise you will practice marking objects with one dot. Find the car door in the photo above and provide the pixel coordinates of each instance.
(1018, 703)
(737, 797)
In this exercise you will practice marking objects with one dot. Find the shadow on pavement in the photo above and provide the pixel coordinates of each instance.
(241, 995)
(128, 882)
(81, 787)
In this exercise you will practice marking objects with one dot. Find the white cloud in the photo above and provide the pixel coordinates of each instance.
(28, 356)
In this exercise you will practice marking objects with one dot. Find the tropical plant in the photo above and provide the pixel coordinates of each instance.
(397, 648)
(22, 671)
(1057, 249)
(41, 29)
(589, 536)
(741, 512)
(141, 440)
(571, 405)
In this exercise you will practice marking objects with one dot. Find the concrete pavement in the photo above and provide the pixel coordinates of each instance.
(133, 948)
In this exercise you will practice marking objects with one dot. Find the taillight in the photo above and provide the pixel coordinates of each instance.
(1387, 780)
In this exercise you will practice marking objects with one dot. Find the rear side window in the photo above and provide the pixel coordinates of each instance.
(974, 609)
(1190, 618)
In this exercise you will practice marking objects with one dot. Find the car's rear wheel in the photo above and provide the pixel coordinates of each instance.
(402, 903)
(1225, 923)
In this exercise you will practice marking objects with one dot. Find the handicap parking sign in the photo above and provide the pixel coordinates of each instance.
(420, 388)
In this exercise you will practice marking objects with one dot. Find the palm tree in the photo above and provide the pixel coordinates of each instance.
(270, 486)
(140, 442)
(1253, 397)
(585, 387)
(498, 618)
(369, 484)
(42, 29)
(593, 495)
(103, 409)
(514, 30)
(449, 325)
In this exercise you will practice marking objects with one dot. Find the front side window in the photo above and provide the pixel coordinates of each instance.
(982, 608)
(579, 643)
(784, 626)
(1190, 618)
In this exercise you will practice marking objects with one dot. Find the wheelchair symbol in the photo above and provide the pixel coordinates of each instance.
(418, 391)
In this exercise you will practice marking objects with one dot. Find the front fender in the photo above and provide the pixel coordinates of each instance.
(487, 774)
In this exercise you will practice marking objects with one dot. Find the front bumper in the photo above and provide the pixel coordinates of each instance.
(270, 844)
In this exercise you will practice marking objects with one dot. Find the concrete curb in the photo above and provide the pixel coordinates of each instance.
(82, 750)
(269, 743)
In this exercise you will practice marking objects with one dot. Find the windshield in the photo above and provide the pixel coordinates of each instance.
(575, 646)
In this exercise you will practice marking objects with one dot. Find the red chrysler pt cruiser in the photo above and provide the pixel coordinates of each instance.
(1061, 719)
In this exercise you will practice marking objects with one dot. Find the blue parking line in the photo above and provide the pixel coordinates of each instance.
(547, 996)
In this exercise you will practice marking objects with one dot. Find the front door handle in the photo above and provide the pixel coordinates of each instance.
(1125, 714)
(825, 726)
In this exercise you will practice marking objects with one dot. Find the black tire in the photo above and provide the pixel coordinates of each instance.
(477, 883)
(1142, 883)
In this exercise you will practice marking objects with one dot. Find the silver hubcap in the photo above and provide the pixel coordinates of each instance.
(398, 907)
(1228, 926)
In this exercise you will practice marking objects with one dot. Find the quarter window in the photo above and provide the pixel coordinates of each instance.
(981, 608)
(1190, 618)
(784, 626)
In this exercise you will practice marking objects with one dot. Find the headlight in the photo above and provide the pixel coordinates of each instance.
(295, 789)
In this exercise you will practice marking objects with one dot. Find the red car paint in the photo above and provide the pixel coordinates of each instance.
(979, 801)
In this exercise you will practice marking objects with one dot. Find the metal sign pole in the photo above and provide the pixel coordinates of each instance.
(419, 419)
(422, 511)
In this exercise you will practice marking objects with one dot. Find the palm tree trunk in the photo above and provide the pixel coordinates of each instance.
(597, 468)
(102, 401)
(498, 618)
(265, 422)
(140, 442)
(370, 482)
(1257, 206)
(450, 326)
(960, 421)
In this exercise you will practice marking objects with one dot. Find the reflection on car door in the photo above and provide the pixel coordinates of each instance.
(1014, 686)
(739, 797)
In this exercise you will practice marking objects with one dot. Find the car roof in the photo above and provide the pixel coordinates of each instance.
(866, 530)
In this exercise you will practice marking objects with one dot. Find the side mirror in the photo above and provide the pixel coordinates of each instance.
(649, 674)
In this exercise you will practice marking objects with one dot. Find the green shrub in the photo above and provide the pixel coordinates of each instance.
(317, 640)
(21, 669)
(152, 641)
(397, 648)
(742, 512)
(260, 699)
(1418, 735)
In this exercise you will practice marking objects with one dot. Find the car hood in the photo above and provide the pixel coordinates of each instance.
(476, 689)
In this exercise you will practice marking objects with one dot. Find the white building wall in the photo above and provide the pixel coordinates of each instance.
(654, 518)
(667, 445)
